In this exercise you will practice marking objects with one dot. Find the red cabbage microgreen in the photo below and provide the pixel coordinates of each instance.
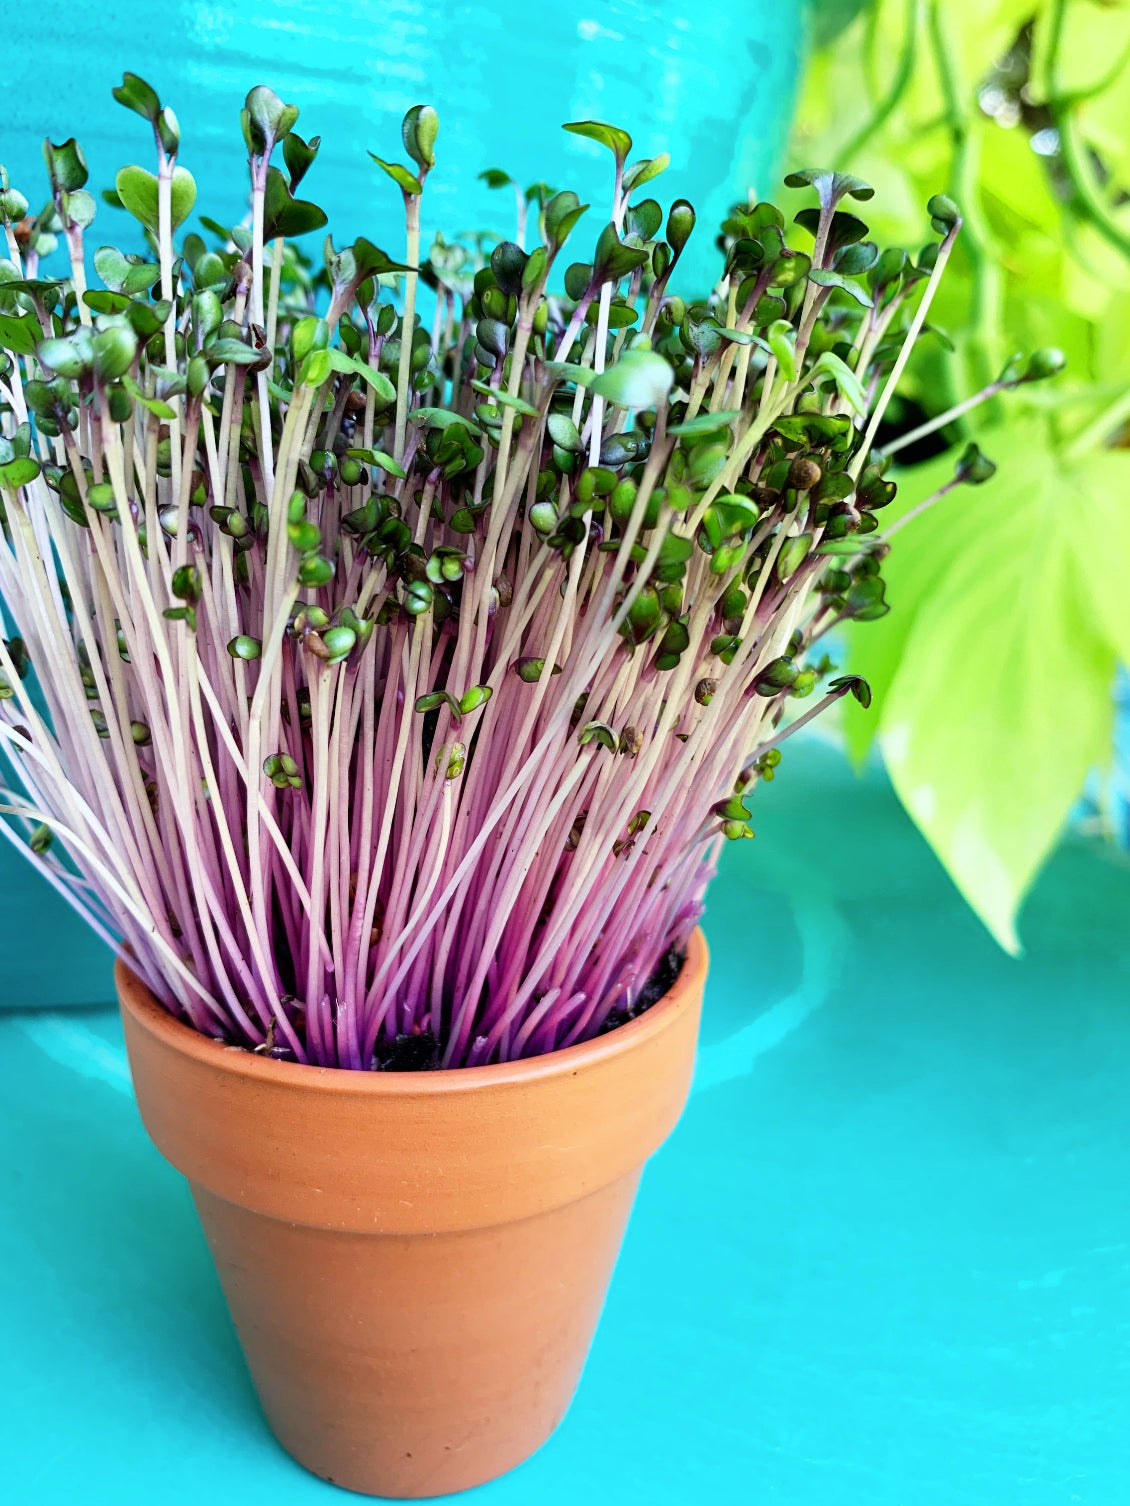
(399, 676)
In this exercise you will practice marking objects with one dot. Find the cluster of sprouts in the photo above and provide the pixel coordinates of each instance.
(388, 649)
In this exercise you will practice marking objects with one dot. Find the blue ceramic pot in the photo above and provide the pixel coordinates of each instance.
(707, 81)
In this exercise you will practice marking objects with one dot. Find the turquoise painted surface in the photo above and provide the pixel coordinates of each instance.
(708, 82)
(883, 1261)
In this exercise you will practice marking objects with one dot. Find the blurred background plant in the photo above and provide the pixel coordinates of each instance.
(993, 676)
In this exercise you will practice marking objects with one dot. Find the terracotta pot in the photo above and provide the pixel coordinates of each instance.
(415, 1262)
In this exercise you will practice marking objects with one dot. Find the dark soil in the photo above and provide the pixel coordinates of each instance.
(421, 1053)
(407, 1053)
(660, 982)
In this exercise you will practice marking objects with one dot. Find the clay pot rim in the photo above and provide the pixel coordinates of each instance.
(182, 1038)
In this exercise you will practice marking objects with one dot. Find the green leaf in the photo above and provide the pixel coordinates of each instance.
(137, 95)
(81, 208)
(371, 261)
(285, 215)
(505, 400)
(620, 315)
(845, 379)
(169, 132)
(974, 467)
(944, 213)
(640, 379)
(857, 259)
(183, 195)
(642, 220)
(736, 513)
(1043, 363)
(299, 156)
(19, 472)
(568, 371)
(13, 205)
(599, 732)
(315, 369)
(437, 698)
(38, 287)
(114, 348)
(560, 215)
(993, 673)
(20, 333)
(825, 279)
(350, 365)
(830, 186)
(612, 259)
(265, 119)
(564, 433)
(781, 338)
(854, 685)
(441, 418)
(646, 169)
(105, 303)
(418, 132)
(618, 142)
(680, 223)
(112, 267)
(147, 318)
(403, 179)
(140, 278)
(704, 423)
(844, 230)
(154, 404)
(472, 699)
(66, 165)
(231, 353)
(68, 356)
(380, 460)
(138, 192)
(577, 278)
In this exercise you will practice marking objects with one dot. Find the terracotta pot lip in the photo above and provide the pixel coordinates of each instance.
(157, 1021)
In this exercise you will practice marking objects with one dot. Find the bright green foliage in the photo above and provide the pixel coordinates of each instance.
(992, 676)
(993, 672)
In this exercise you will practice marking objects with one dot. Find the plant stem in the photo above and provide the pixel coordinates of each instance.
(923, 506)
(407, 329)
(1073, 151)
(904, 354)
(985, 314)
(912, 436)
(1101, 428)
(276, 277)
(908, 57)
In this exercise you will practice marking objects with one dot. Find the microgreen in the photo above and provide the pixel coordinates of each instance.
(406, 672)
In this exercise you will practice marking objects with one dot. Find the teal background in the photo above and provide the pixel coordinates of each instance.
(883, 1261)
(710, 82)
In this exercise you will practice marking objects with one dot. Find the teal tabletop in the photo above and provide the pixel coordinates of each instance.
(883, 1261)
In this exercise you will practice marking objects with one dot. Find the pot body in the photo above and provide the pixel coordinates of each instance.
(415, 1262)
